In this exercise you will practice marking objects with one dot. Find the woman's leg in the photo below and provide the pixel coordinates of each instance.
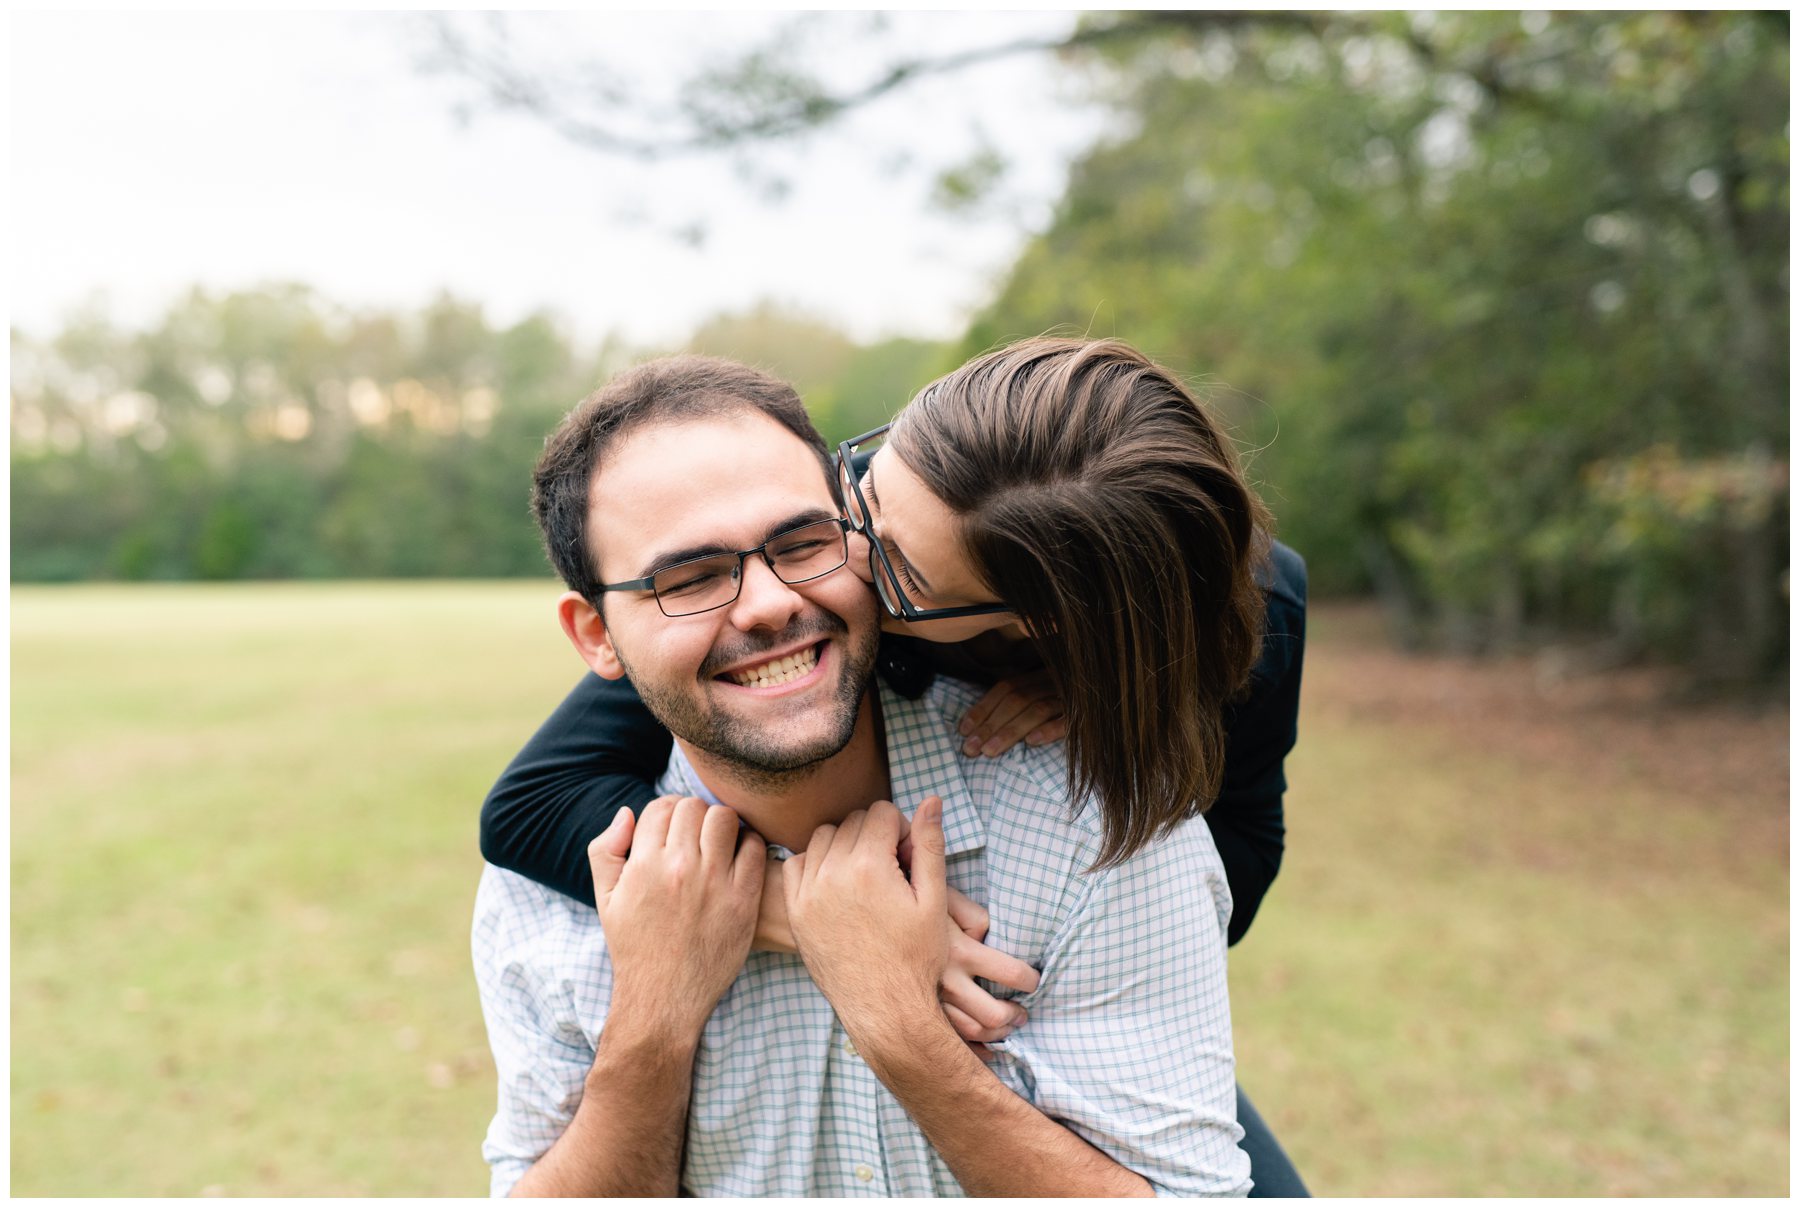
(1275, 1176)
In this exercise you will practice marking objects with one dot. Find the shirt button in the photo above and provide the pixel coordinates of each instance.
(864, 1173)
(849, 1048)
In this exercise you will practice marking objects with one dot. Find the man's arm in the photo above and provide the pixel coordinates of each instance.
(848, 889)
(677, 913)
(627, 1134)
(995, 1143)
(1130, 1041)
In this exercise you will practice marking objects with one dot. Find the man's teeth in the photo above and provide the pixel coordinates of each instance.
(780, 671)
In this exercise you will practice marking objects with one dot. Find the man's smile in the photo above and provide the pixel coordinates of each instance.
(789, 669)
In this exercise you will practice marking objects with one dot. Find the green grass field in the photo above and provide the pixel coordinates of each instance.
(244, 858)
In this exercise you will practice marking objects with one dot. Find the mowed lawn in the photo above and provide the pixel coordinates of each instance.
(1519, 946)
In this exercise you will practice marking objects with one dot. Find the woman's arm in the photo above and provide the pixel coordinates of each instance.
(1260, 730)
(601, 750)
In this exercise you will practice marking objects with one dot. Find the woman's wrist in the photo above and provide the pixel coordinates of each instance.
(772, 931)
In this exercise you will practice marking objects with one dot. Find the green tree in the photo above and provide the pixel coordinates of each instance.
(1452, 271)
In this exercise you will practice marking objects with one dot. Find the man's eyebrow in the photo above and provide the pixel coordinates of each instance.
(668, 558)
(875, 502)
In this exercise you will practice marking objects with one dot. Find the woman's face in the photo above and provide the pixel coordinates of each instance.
(918, 532)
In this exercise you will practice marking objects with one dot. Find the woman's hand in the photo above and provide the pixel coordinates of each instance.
(772, 931)
(978, 1016)
(1023, 706)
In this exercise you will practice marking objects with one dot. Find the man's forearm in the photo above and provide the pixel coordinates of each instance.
(995, 1143)
(626, 1137)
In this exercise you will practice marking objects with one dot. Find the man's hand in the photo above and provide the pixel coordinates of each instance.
(875, 943)
(677, 894)
(978, 1016)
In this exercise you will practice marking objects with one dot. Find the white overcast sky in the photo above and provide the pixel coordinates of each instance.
(151, 152)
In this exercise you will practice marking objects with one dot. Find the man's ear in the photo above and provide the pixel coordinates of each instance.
(588, 634)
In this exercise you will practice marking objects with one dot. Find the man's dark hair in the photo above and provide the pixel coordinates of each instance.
(659, 391)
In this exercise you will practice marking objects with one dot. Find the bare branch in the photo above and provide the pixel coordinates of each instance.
(704, 126)
(760, 99)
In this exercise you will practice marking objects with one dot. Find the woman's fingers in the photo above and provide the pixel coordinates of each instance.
(967, 915)
(980, 711)
(978, 960)
(972, 1033)
(1026, 721)
(1009, 711)
(988, 1017)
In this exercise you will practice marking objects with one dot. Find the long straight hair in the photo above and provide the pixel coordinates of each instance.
(1098, 498)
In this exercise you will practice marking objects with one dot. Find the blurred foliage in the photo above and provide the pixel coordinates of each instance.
(266, 434)
(269, 435)
(848, 387)
(1462, 272)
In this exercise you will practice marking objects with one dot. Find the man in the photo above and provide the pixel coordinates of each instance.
(644, 1049)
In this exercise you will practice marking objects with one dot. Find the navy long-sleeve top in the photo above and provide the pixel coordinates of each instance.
(601, 750)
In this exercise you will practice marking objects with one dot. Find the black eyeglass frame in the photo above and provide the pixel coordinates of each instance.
(847, 479)
(648, 583)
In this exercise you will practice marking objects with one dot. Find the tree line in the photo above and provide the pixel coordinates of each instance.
(270, 434)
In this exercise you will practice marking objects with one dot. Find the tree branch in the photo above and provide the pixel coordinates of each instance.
(714, 115)
(511, 86)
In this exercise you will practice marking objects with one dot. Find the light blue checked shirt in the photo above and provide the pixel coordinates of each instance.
(1128, 1045)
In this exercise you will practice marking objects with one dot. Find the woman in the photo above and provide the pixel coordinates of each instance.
(1070, 516)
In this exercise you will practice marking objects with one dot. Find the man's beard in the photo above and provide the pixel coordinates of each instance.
(758, 749)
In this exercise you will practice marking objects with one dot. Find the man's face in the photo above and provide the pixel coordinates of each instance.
(772, 681)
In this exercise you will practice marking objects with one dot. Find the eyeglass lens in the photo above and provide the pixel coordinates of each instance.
(885, 586)
(796, 556)
(849, 493)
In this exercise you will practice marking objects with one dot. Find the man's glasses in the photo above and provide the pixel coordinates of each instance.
(888, 585)
(702, 584)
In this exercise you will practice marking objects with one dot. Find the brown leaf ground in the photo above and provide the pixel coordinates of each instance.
(1632, 729)
(1530, 936)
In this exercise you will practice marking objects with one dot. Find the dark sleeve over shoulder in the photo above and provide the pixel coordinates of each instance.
(600, 751)
(1246, 820)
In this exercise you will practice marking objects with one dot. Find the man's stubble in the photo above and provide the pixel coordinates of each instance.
(755, 750)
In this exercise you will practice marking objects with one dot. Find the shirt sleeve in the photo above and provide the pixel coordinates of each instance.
(601, 750)
(541, 1054)
(1260, 730)
(1129, 1041)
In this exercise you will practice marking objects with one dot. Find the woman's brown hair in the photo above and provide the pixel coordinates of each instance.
(1098, 498)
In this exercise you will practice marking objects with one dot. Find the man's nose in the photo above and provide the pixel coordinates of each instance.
(764, 601)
